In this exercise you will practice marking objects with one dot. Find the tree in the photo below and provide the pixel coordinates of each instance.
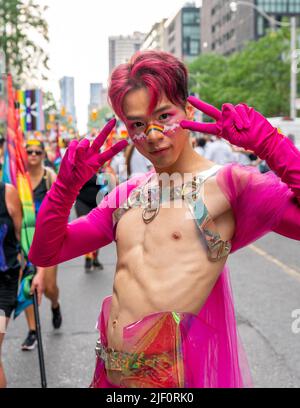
(259, 75)
(50, 107)
(23, 34)
(98, 118)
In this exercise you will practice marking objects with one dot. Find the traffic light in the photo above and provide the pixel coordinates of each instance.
(63, 111)
(94, 115)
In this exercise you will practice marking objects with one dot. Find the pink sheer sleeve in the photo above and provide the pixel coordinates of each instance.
(261, 203)
(289, 223)
(56, 240)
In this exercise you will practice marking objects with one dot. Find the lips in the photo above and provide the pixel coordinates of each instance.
(160, 150)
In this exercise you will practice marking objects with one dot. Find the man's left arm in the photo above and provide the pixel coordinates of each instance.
(289, 224)
(284, 159)
(247, 128)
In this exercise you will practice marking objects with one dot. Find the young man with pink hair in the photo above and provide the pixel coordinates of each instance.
(170, 321)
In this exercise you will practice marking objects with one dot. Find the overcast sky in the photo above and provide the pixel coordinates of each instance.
(79, 32)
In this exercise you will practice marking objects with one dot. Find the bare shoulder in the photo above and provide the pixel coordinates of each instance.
(51, 172)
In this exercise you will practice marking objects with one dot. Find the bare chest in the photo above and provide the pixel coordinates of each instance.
(175, 224)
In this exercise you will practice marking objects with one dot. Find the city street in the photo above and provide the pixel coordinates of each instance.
(266, 285)
(86, 105)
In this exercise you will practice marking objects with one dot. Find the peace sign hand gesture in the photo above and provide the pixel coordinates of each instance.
(82, 159)
(240, 125)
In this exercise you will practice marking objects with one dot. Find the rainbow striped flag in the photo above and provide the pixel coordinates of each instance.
(15, 172)
(31, 110)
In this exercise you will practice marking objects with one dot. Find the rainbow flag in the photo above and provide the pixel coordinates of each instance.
(15, 172)
(31, 110)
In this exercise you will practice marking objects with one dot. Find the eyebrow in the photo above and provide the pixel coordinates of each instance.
(162, 108)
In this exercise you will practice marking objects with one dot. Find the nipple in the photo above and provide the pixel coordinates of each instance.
(176, 235)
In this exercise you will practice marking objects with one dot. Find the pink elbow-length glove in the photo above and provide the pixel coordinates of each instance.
(244, 127)
(80, 162)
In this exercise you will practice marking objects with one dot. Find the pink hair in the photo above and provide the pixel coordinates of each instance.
(157, 71)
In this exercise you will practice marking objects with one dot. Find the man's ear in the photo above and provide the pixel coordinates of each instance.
(190, 111)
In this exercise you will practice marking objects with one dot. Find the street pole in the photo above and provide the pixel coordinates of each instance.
(293, 110)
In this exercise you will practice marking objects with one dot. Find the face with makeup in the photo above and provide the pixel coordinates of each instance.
(156, 135)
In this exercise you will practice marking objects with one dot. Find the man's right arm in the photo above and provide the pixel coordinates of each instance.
(56, 240)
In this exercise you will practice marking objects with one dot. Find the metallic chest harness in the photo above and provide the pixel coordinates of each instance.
(150, 200)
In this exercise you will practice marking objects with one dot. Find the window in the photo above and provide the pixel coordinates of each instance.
(191, 31)
(194, 47)
(191, 17)
(280, 7)
(191, 47)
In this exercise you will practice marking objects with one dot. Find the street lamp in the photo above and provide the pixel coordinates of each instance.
(294, 54)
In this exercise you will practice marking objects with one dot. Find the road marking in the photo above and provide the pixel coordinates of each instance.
(287, 269)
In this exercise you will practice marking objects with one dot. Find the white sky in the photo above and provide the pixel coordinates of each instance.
(79, 32)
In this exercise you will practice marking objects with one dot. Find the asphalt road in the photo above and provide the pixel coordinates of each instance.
(266, 287)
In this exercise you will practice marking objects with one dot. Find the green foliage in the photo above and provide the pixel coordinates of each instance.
(259, 75)
(23, 33)
(49, 105)
(101, 118)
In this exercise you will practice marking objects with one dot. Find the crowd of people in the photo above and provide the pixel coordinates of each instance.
(222, 152)
(42, 169)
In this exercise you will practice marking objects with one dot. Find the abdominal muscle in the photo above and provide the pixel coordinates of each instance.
(162, 267)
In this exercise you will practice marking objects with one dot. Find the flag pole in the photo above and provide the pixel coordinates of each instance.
(39, 340)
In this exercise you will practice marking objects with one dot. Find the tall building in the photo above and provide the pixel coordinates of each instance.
(96, 94)
(155, 39)
(67, 98)
(224, 31)
(98, 97)
(182, 33)
(121, 48)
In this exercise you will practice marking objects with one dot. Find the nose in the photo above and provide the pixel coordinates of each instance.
(154, 133)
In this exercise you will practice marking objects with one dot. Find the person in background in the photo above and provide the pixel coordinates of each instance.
(200, 148)
(41, 178)
(240, 156)
(292, 138)
(136, 163)
(1, 154)
(85, 202)
(118, 166)
(219, 151)
(10, 231)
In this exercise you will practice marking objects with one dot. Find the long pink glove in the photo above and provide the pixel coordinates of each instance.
(55, 240)
(244, 127)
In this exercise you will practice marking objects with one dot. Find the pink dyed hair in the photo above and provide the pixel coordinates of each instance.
(157, 71)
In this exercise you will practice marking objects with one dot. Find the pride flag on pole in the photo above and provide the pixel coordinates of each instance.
(15, 172)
